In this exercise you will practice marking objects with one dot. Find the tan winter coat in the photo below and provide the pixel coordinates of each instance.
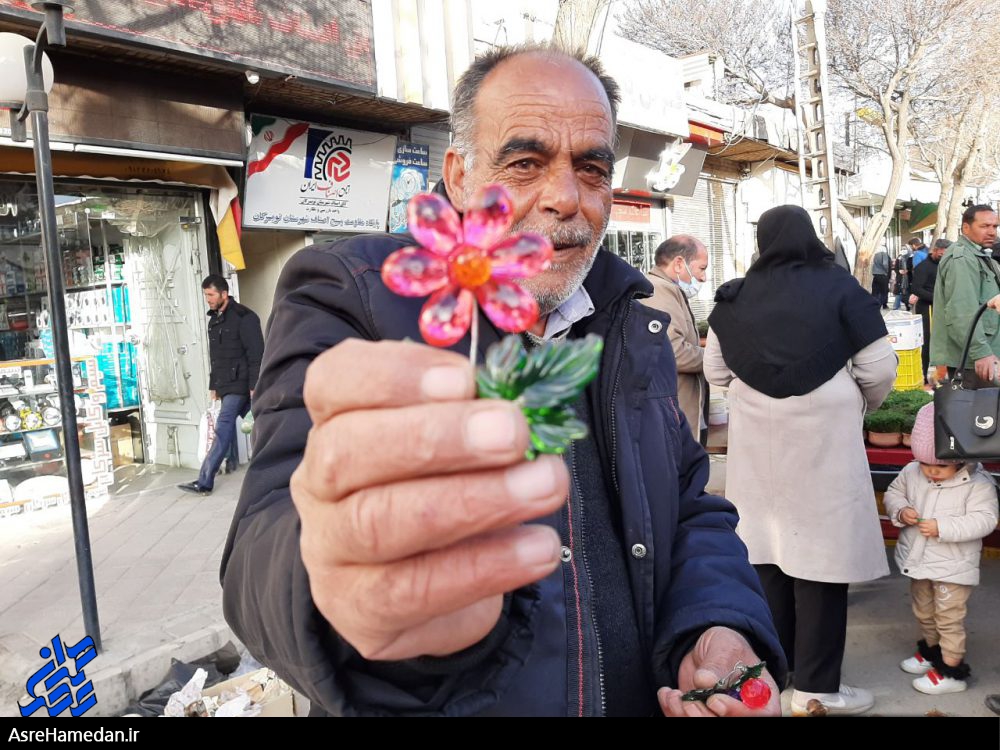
(965, 508)
(691, 386)
(798, 474)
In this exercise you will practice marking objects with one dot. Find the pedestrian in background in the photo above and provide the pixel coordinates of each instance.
(800, 379)
(967, 277)
(235, 348)
(680, 270)
(945, 509)
(922, 297)
(901, 269)
(881, 264)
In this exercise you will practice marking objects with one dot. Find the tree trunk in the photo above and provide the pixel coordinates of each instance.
(943, 206)
(574, 22)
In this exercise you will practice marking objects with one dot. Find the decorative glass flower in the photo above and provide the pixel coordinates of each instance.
(463, 261)
(460, 262)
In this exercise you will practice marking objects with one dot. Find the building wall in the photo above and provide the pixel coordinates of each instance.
(266, 254)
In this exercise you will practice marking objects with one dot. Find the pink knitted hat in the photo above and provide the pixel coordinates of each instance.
(922, 438)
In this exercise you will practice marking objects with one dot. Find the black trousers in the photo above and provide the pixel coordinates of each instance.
(811, 620)
(925, 355)
(880, 289)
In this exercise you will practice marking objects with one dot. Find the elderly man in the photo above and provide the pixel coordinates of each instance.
(681, 266)
(442, 573)
(967, 277)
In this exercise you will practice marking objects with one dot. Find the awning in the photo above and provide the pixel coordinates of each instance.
(224, 200)
(923, 216)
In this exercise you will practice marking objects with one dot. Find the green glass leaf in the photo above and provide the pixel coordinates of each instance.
(544, 382)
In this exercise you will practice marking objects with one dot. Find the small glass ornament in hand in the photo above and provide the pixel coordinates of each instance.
(743, 683)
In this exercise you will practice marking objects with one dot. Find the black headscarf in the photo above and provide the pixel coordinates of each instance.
(796, 318)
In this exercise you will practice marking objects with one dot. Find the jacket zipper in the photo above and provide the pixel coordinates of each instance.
(614, 394)
(590, 580)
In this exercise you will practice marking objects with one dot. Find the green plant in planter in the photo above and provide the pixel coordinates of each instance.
(702, 326)
(906, 424)
(886, 421)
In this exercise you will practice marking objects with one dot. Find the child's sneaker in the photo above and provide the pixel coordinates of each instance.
(923, 660)
(943, 679)
(933, 683)
(847, 702)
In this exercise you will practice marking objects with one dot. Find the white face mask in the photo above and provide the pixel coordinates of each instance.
(690, 288)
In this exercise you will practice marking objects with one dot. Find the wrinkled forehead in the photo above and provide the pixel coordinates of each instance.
(543, 96)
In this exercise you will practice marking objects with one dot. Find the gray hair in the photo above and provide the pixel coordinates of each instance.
(683, 245)
(943, 243)
(463, 120)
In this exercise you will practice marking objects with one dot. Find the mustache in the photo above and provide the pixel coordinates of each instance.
(560, 236)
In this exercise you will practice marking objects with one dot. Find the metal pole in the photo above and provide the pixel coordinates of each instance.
(36, 103)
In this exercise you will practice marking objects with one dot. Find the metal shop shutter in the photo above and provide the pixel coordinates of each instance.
(709, 215)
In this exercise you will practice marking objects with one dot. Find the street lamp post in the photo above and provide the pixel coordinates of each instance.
(36, 104)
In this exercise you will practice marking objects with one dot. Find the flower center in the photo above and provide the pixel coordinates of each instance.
(470, 268)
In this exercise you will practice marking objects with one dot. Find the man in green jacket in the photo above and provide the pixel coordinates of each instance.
(968, 277)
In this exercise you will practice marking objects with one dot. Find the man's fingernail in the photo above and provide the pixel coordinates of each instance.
(491, 429)
(716, 706)
(535, 480)
(443, 383)
(537, 546)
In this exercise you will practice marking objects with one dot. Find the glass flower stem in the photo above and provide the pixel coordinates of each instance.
(474, 338)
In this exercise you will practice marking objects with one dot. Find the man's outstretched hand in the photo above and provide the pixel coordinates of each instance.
(714, 656)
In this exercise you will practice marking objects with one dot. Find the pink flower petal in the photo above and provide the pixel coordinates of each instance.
(509, 306)
(414, 272)
(521, 256)
(446, 316)
(488, 216)
(433, 223)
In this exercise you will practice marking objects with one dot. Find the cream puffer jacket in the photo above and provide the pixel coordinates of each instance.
(965, 507)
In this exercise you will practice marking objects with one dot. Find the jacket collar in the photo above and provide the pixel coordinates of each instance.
(962, 476)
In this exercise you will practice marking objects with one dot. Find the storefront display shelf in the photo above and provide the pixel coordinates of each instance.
(24, 295)
(5, 433)
(94, 286)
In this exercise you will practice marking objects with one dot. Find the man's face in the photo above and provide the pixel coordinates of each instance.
(544, 131)
(983, 229)
(698, 267)
(215, 299)
(937, 253)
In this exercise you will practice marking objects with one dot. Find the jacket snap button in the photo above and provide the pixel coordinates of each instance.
(567, 554)
(638, 551)
(655, 326)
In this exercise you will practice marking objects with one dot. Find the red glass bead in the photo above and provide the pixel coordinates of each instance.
(755, 693)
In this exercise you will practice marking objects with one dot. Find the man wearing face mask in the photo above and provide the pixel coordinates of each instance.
(681, 266)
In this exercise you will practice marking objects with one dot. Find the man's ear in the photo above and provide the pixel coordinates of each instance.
(454, 178)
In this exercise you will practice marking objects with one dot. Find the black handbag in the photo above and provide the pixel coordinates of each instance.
(966, 419)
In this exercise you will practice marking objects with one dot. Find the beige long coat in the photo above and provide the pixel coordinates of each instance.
(683, 334)
(797, 470)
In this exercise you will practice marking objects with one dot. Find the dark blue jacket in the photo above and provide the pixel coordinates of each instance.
(687, 568)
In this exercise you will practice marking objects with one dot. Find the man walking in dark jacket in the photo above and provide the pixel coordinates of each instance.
(392, 551)
(922, 296)
(235, 348)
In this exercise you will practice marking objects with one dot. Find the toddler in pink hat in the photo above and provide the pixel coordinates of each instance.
(944, 510)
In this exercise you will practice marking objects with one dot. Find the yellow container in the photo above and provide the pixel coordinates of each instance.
(909, 373)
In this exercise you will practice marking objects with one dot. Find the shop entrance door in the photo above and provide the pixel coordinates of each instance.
(166, 260)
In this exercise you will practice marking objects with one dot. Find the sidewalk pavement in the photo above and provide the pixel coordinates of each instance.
(156, 556)
(156, 553)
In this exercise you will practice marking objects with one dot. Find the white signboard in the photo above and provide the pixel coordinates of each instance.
(304, 176)
(652, 86)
